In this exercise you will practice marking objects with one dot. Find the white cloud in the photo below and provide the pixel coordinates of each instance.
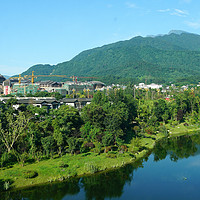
(175, 11)
(164, 10)
(194, 25)
(178, 12)
(130, 5)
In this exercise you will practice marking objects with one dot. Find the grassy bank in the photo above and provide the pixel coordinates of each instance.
(62, 168)
(181, 129)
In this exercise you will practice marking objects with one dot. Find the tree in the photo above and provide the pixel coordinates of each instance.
(47, 144)
(72, 142)
(94, 114)
(160, 109)
(69, 120)
(14, 129)
(58, 135)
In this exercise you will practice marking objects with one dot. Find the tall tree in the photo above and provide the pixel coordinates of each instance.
(15, 127)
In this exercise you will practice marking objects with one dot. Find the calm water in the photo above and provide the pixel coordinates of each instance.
(172, 171)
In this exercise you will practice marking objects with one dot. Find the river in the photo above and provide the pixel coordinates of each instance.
(171, 171)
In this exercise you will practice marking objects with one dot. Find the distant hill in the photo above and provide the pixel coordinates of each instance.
(6, 76)
(174, 57)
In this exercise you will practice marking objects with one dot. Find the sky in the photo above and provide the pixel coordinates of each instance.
(53, 31)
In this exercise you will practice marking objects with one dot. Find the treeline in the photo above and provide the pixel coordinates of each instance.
(155, 110)
(33, 133)
(112, 120)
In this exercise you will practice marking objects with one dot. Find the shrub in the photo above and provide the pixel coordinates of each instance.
(6, 185)
(61, 164)
(164, 130)
(91, 167)
(107, 149)
(123, 148)
(111, 155)
(29, 174)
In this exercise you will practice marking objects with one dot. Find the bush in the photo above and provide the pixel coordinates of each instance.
(29, 174)
(91, 167)
(111, 155)
(6, 185)
(164, 130)
(7, 159)
(63, 165)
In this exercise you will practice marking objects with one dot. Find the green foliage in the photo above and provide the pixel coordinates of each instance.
(39, 70)
(91, 167)
(13, 129)
(114, 121)
(21, 157)
(135, 144)
(4, 158)
(164, 130)
(111, 155)
(47, 144)
(62, 164)
(6, 185)
(72, 143)
(162, 59)
(29, 174)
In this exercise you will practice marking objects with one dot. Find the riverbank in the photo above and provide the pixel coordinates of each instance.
(68, 166)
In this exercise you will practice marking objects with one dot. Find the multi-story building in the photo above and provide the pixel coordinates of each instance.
(2, 79)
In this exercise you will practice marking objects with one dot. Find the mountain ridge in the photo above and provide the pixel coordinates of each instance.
(176, 54)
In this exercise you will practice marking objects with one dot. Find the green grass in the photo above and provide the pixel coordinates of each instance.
(147, 142)
(67, 166)
(62, 168)
(180, 129)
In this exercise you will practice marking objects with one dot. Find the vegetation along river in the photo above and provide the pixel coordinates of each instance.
(171, 171)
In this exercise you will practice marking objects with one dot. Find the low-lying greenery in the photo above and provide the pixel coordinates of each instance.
(116, 128)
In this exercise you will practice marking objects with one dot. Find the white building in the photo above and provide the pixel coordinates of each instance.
(151, 86)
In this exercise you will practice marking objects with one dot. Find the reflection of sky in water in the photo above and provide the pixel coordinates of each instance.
(195, 163)
(166, 180)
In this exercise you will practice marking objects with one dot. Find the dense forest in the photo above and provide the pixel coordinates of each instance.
(161, 59)
(113, 120)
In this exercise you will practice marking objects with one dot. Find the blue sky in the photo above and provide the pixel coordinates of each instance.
(54, 31)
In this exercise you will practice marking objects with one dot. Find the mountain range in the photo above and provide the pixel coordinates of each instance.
(173, 57)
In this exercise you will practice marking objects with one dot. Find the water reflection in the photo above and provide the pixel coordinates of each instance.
(110, 184)
(46, 192)
(99, 186)
(107, 185)
(177, 147)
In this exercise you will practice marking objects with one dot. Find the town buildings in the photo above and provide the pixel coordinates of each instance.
(12, 86)
(48, 102)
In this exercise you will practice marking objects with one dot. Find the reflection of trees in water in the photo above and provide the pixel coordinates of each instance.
(99, 186)
(176, 148)
(108, 185)
(47, 192)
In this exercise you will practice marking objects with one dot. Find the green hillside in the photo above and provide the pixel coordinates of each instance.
(169, 58)
(40, 70)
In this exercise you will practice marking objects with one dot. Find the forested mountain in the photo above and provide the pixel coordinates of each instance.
(40, 69)
(169, 58)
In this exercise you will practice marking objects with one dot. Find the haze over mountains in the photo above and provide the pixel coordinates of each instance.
(174, 57)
